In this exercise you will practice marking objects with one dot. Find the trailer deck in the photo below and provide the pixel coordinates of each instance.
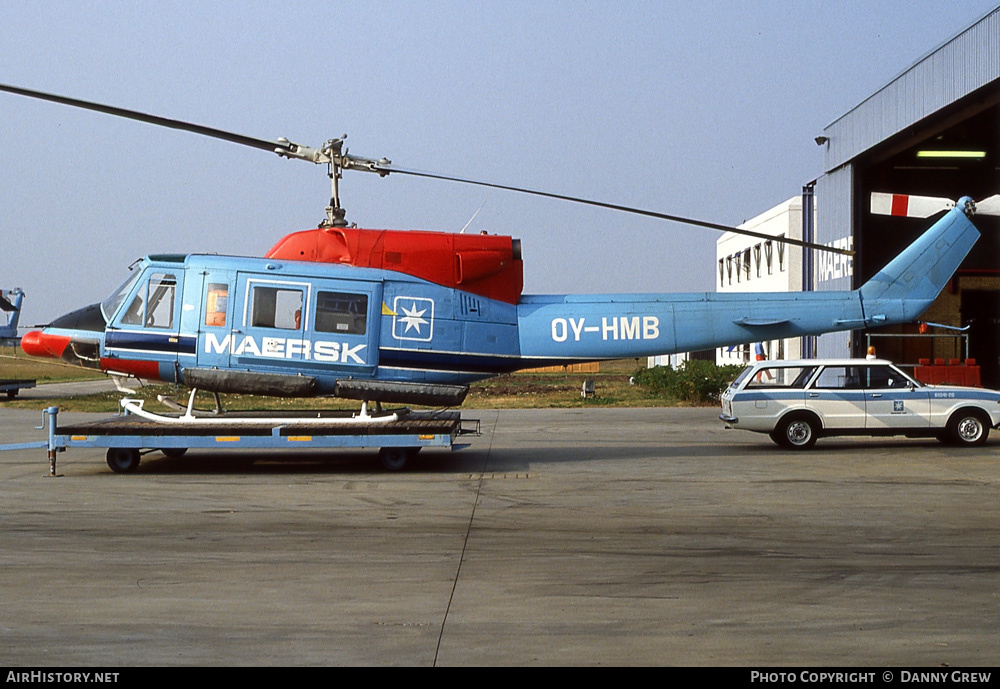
(12, 386)
(127, 437)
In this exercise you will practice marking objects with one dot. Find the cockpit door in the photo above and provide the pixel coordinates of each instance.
(215, 327)
(147, 329)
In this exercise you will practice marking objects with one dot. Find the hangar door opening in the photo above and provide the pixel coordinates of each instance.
(954, 153)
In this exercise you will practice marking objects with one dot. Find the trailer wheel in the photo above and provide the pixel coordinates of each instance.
(395, 458)
(11, 394)
(173, 452)
(123, 460)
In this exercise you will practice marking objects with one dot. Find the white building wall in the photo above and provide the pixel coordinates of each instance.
(750, 264)
(671, 360)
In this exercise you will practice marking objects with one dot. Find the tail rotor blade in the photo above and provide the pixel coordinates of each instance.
(989, 206)
(908, 205)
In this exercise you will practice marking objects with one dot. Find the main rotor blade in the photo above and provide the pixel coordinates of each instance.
(294, 150)
(617, 207)
(262, 144)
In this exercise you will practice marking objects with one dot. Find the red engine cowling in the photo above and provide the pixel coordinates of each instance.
(487, 265)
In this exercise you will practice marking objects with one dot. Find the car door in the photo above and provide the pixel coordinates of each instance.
(892, 401)
(838, 398)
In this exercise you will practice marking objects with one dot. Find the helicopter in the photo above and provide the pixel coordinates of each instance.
(10, 304)
(413, 317)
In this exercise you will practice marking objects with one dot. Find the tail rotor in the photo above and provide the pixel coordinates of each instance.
(913, 206)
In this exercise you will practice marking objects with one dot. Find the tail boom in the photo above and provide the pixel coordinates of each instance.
(566, 328)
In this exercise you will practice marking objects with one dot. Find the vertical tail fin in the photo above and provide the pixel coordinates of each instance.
(11, 303)
(910, 282)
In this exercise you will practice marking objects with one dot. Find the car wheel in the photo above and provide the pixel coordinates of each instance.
(968, 428)
(797, 432)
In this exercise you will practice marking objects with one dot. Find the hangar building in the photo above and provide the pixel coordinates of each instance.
(934, 130)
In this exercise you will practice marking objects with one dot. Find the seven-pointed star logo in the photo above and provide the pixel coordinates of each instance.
(414, 318)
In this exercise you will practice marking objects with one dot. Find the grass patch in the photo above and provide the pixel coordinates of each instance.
(14, 363)
(524, 390)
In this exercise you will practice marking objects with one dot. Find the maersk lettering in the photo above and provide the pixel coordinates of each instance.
(286, 348)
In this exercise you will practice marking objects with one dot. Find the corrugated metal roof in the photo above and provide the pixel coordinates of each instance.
(963, 64)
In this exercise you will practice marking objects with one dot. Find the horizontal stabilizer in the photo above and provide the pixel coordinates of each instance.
(761, 321)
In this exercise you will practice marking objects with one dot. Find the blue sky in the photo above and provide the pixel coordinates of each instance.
(704, 109)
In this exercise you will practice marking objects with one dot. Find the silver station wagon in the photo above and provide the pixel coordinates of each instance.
(796, 402)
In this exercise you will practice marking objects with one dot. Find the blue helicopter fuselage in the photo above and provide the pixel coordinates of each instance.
(181, 317)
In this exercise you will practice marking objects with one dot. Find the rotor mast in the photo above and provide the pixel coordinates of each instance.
(337, 160)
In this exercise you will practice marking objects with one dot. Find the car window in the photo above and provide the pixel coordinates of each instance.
(739, 379)
(885, 377)
(839, 378)
(781, 377)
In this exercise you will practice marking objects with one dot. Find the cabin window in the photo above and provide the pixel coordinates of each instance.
(216, 304)
(153, 305)
(340, 312)
(277, 307)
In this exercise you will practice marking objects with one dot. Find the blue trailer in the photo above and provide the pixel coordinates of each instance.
(128, 437)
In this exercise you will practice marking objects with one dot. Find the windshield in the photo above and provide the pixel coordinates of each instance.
(111, 304)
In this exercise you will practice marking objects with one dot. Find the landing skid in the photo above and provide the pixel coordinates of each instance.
(189, 408)
(190, 416)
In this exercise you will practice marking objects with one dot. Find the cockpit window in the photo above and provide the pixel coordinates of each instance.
(153, 307)
(110, 305)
